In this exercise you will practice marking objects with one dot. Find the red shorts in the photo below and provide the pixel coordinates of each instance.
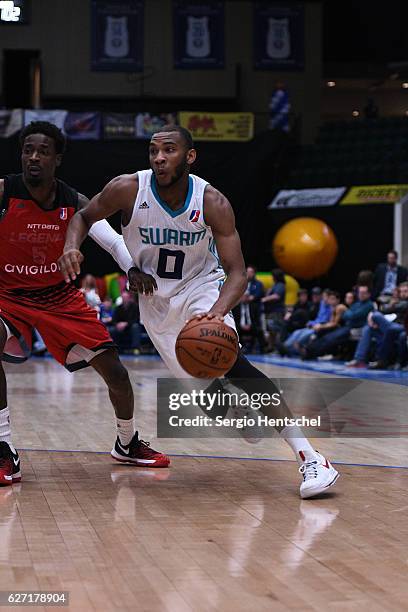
(69, 327)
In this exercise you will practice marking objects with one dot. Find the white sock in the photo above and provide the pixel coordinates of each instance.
(5, 433)
(297, 441)
(126, 430)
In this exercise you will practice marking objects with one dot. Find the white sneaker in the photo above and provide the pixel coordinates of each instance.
(318, 474)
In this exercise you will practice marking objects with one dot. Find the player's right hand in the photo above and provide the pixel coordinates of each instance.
(139, 282)
(70, 264)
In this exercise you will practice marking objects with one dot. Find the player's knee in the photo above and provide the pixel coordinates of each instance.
(114, 373)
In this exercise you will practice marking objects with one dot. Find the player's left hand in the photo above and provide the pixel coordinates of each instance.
(139, 282)
(70, 264)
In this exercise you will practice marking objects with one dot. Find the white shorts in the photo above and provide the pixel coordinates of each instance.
(164, 318)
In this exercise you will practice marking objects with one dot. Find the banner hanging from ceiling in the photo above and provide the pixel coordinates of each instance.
(117, 35)
(198, 34)
(278, 36)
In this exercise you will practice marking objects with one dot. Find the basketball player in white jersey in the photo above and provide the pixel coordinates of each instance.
(179, 230)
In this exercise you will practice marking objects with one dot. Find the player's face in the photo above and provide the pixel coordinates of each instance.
(39, 159)
(169, 157)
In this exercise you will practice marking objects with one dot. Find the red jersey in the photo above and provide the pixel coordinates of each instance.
(33, 292)
(31, 238)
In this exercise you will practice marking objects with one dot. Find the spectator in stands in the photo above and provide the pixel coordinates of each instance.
(301, 337)
(90, 291)
(389, 335)
(364, 277)
(279, 108)
(349, 299)
(297, 316)
(395, 296)
(316, 347)
(106, 311)
(125, 328)
(371, 109)
(274, 300)
(316, 297)
(248, 313)
(274, 305)
(353, 321)
(255, 290)
(387, 276)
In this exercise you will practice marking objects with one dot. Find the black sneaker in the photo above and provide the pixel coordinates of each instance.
(9, 465)
(138, 452)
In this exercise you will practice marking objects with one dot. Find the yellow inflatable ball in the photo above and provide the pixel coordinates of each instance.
(305, 247)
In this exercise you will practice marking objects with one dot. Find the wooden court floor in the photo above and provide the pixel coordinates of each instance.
(210, 533)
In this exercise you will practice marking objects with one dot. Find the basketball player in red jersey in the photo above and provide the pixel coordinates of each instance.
(168, 206)
(35, 210)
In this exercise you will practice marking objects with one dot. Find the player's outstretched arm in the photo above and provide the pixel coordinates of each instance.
(112, 242)
(118, 195)
(219, 216)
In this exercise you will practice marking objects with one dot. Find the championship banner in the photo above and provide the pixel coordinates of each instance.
(117, 35)
(11, 121)
(57, 117)
(375, 194)
(305, 198)
(119, 126)
(198, 40)
(218, 126)
(278, 36)
(83, 126)
(147, 124)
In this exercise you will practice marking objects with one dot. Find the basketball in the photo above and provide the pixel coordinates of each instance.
(206, 348)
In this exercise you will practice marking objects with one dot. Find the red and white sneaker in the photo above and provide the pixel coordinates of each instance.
(318, 474)
(138, 452)
(9, 465)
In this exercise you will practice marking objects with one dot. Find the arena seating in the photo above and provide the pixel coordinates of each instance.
(355, 152)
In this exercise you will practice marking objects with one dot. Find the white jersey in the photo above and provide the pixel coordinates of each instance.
(175, 247)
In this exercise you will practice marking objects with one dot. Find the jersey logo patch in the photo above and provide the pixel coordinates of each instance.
(195, 215)
(144, 205)
(64, 214)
